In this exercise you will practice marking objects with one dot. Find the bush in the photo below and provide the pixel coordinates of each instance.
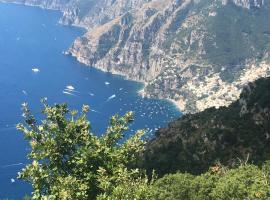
(70, 162)
(244, 182)
(173, 187)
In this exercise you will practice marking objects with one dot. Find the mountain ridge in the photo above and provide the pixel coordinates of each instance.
(197, 53)
(176, 74)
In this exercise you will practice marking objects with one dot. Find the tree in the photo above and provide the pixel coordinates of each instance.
(70, 162)
(241, 183)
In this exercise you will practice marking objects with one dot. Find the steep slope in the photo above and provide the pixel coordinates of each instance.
(195, 142)
(85, 13)
(46, 4)
(198, 53)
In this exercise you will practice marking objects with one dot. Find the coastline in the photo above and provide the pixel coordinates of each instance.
(178, 105)
(46, 8)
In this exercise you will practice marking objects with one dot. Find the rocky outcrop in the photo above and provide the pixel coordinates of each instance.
(87, 14)
(197, 53)
(184, 50)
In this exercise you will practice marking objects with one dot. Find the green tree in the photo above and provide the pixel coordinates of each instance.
(173, 187)
(70, 162)
(129, 186)
(242, 183)
(245, 182)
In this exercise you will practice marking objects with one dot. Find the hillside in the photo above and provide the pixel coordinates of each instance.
(86, 13)
(69, 162)
(207, 56)
(225, 135)
(198, 53)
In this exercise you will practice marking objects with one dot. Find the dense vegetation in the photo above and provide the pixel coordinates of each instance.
(195, 142)
(244, 182)
(70, 162)
(235, 30)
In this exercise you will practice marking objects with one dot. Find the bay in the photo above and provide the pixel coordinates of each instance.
(33, 66)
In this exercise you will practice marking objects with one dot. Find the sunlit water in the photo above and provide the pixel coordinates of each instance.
(32, 38)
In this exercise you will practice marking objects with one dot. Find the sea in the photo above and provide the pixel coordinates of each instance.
(33, 66)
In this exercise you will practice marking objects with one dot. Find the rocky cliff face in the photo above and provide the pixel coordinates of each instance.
(198, 53)
(88, 14)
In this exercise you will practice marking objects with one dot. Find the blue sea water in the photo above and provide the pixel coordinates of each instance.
(32, 38)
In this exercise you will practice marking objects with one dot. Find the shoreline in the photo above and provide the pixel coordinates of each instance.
(46, 8)
(139, 91)
(177, 104)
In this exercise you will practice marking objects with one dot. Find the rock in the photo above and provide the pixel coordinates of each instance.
(197, 53)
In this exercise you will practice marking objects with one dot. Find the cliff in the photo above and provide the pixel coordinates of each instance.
(87, 14)
(198, 53)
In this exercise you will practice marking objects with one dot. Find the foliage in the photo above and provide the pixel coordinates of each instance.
(235, 30)
(173, 186)
(244, 182)
(195, 142)
(70, 162)
(129, 186)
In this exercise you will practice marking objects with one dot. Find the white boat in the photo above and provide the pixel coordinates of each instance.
(36, 70)
(111, 97)
(68, 93)
(70, 87)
